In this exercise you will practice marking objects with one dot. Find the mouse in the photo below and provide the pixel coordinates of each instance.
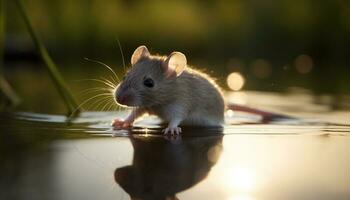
(166, 86)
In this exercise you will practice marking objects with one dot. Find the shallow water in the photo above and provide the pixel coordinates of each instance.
(306, 157)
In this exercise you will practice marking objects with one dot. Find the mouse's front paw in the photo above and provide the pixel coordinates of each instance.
(120, 124)
(172, 131)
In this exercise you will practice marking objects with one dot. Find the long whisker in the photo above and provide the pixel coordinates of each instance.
(107, 100)
(114, 105)
(116, 83)
(121, 53)
(91, 107)
(84, 102)
(100, 81)
(108, 67)
(108, 81)
(98, 102)
(95, 89)
(111, 106)
(107, 104)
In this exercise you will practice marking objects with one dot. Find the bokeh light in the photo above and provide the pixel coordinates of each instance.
(261, 68)
(303, 64)
(235, 81)
(229, 113)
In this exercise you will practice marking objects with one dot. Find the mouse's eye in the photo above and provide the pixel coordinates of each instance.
(148, 82)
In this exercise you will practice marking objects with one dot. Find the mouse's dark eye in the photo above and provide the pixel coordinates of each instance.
(148, 82)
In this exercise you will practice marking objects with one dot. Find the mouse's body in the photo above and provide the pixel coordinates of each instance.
(199, 100)
(168, 88)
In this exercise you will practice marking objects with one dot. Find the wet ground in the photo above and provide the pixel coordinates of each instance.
(306, 157)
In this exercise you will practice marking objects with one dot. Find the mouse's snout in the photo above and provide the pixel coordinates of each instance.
(123, 96)
(123, 99)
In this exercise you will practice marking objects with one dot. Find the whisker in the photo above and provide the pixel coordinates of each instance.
(116, 83)
(108, 81)
(115, 108)
(111, 106)
(114, 105)
(108, 103)
(108, 67)
(83, 103)
(95, 89)
(98, 101)
(93, 106)
(100, 81)
(121, 53)
(105, 102)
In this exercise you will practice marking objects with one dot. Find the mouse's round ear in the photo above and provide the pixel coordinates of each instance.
(174, 64)
(139, 53)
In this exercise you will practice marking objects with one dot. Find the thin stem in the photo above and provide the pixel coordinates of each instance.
(60, 84)
(9, 94)
(2, 33)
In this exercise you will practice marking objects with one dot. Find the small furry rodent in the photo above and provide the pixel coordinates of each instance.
(168, 88)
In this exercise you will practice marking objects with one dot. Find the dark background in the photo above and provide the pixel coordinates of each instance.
(275, 45)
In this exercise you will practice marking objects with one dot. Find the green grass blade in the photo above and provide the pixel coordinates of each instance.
(50, 65)
(7, 94)
(2, 34)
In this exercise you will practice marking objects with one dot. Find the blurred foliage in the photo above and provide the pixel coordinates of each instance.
(261, 39)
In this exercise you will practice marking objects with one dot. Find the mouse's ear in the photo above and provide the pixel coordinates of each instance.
(140, 52)
(175, 64)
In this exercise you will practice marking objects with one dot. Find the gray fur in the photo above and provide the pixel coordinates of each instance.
(193, 96)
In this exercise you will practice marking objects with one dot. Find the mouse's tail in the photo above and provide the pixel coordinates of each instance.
(266, 116)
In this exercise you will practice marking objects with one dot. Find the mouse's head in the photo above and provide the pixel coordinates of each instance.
(151, 79)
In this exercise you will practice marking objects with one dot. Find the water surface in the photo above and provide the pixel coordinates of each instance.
(45, 157)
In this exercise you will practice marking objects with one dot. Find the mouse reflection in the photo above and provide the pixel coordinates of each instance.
(162, 168)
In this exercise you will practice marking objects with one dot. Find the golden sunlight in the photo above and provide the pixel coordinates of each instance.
(241, 179)
(145, 130)
(241, 197)
(235, 81)
(237, 97)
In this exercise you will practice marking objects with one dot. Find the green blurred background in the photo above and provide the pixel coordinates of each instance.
(274, 45)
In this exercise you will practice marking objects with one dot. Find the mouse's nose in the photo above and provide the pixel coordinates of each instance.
(123, 99)
(123, 95)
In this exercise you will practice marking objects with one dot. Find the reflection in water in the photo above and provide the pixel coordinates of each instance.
(241, 178)
(162, 168)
